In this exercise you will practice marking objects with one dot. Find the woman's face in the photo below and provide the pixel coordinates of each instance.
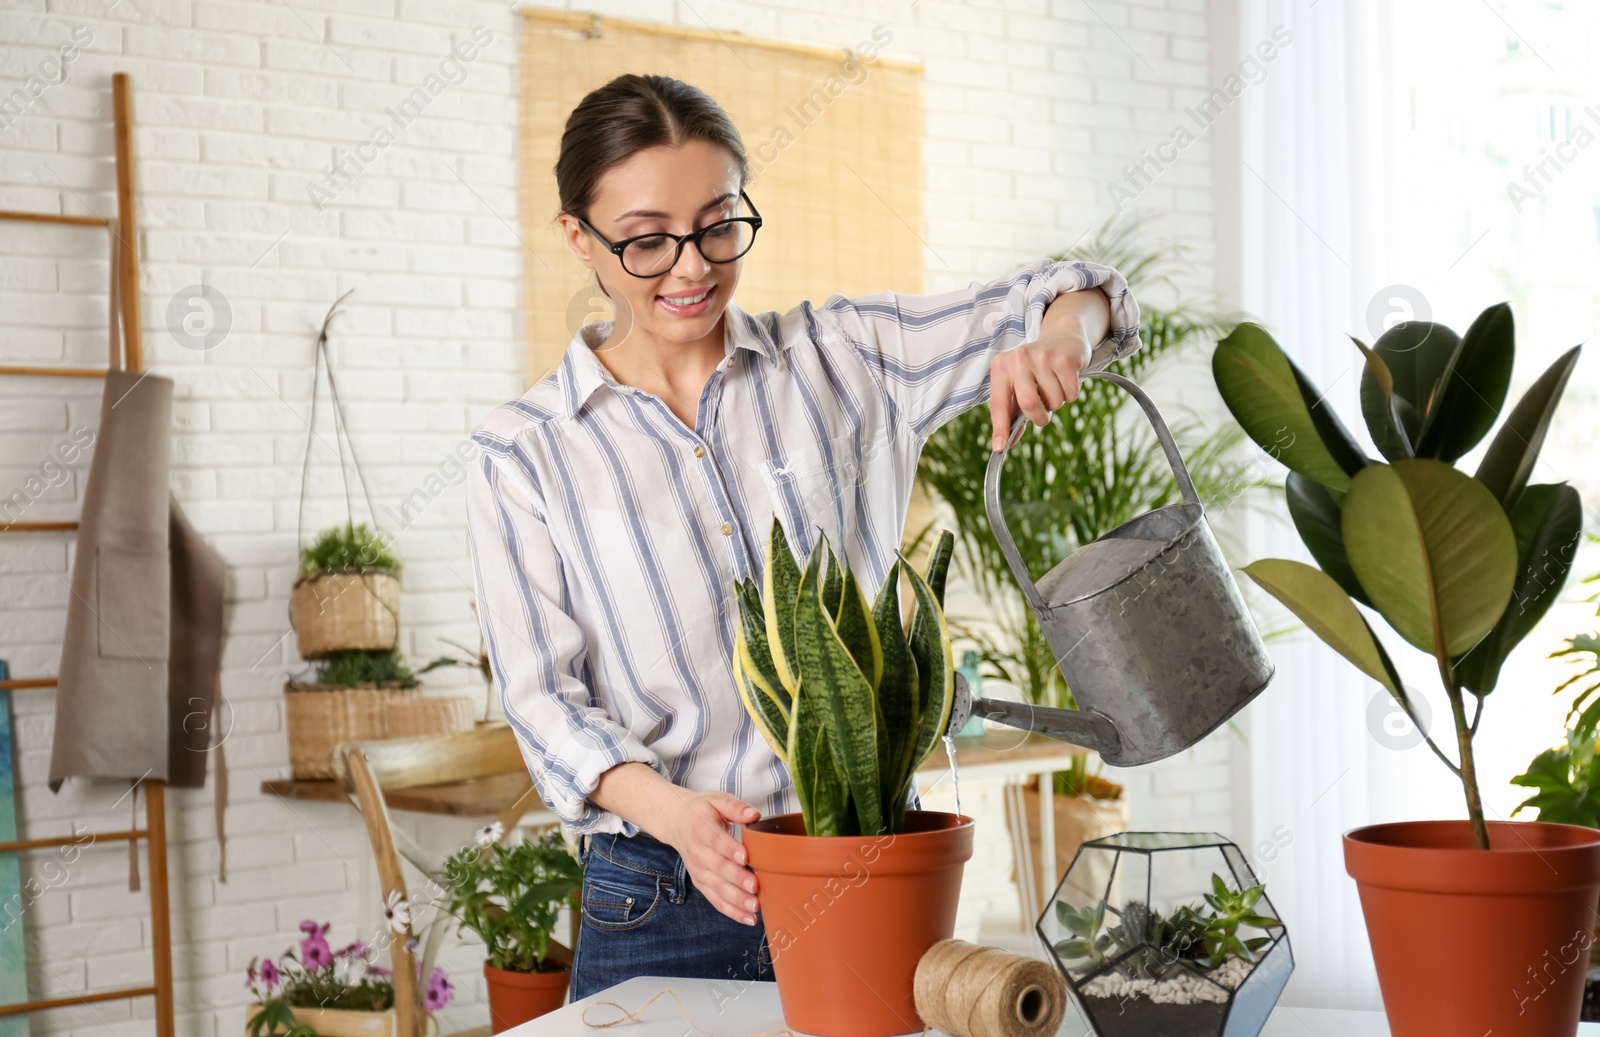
(675, 190)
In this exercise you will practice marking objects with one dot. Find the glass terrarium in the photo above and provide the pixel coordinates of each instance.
(1167, 933)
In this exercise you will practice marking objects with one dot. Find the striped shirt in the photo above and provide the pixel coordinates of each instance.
(607, 536)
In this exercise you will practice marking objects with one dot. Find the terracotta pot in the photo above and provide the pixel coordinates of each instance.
(1473, 941)
(516, 997)
(848, 917)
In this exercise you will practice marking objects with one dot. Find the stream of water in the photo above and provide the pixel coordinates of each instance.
(955, 778)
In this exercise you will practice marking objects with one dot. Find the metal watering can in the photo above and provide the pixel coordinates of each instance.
(1146, 623)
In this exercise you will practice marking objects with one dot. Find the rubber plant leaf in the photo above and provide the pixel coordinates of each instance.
(1317, 519)
(1320, 603)
(1341, 444)
(1259, 386)
(1419, 355)
(1390, 420)
(1548, 523)
(1433, 550)
(845, 699)
(1509, 462)
(1470, 398)
(780, 587)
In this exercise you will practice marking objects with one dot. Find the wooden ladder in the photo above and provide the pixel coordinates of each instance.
(129, 357)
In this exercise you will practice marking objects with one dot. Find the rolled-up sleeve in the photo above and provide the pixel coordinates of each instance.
(931, 353)
(536, 648)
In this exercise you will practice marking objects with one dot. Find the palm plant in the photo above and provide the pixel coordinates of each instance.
(1086, 472)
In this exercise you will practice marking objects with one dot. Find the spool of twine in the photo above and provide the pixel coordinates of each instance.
(970, 990)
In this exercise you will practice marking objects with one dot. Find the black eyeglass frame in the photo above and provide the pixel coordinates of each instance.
(616, 247)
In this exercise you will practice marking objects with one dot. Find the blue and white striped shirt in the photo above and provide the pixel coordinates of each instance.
(607, 536)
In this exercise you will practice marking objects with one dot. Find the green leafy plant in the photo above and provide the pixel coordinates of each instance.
(350, 548)
(468, 659)
(1085, 473)
(357, 666)
(1566, 780)
(510, 896)
(851, 698)
(1460, 566)
(1145, 944)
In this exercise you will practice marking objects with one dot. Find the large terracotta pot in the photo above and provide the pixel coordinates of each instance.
(516, 997)
(847, 918)
(1468, 941)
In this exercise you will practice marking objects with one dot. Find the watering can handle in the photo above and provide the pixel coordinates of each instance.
(991, 481)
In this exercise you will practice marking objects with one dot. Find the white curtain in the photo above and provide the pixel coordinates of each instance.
(1312, 255)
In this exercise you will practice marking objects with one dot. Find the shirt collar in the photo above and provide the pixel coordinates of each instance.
(582, 372)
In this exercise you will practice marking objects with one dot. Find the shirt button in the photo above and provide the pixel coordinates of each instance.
(699, 451)
(727, 529)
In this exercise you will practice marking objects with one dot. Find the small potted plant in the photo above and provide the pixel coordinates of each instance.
(347, 593)
(321, 992)
(1167, 932)
(1461, 566)
(511, 897)
(852, 699)
(347, 701)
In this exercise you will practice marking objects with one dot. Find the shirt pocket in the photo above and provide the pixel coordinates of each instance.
(132, 591)
(813, 496)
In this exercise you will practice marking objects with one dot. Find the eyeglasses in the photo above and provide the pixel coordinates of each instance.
(650, 255)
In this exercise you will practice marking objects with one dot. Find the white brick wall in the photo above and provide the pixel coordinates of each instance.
(1033, 106)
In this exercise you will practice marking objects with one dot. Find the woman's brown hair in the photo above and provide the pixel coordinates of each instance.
(630, 113)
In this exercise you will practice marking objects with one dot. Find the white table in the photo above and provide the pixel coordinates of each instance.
(740, 1008)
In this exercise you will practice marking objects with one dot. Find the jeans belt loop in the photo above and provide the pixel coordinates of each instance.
(680, 880)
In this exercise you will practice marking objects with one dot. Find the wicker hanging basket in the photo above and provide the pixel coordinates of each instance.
(333, 612)
(317, 717)
(412, 716)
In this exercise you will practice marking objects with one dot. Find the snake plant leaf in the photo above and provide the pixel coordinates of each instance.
(811, 767)
(921, 626)
(1547, 522)
(832, 581)
(753, 620)
(780, 587)
(1470, 398)
(1260, 386)
(845, 700)
(857, 630)
(770, 717)
(1322, 605)
(1390, 420)
(1419, 355)
(1515, 448)
(897, 693)
(1317, 518)
(1433, 550)
(930, 647)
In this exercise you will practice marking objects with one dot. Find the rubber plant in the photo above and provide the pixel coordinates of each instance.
(849, 695)
(1461, 566)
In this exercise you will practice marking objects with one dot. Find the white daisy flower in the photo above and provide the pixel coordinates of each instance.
(397, 912)
(488, 835)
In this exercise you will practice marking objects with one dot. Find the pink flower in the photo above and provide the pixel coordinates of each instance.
(311, 928)
(250, 973)
(355, 950)
(378, 972)
(269, 974)
(439, 991)
(315, 953)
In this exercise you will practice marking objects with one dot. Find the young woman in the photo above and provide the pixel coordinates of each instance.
(617, 502)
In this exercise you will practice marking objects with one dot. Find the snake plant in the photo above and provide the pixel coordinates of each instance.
(851, 697)
(1461, 566)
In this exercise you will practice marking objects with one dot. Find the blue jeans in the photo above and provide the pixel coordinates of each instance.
(642, 916)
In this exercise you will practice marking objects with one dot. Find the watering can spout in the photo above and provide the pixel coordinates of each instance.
(1089, 730)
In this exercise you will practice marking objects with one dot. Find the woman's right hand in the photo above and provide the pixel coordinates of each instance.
(715, 860)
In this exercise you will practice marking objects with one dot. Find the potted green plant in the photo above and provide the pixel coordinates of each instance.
(510, 897)
(1067, 483)
(347, 701)
(1461, 566)
(346, 595)
(852, 697)
(321, 992)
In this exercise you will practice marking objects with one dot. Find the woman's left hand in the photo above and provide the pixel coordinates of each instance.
(1038, 377)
